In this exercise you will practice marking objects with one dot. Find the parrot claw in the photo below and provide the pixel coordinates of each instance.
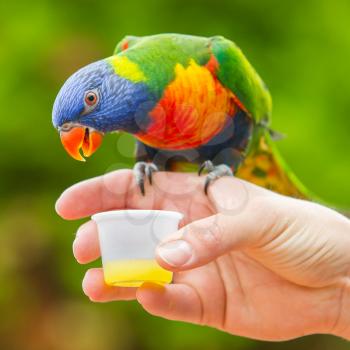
(214, 172)
(207, 165)
(142, 170)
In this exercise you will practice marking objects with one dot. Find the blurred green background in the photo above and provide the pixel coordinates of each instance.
(302, 51)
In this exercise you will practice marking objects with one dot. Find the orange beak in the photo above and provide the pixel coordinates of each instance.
(81, 138)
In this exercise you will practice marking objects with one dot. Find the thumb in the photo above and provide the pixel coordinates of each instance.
(204, 240)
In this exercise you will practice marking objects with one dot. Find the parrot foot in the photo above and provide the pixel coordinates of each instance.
(142, 170)
(214, 172)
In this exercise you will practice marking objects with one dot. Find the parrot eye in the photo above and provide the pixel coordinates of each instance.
(91, 99)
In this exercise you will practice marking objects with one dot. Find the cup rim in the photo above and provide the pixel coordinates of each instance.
(136, 213)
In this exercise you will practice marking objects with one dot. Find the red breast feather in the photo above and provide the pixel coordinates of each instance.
(193, 109)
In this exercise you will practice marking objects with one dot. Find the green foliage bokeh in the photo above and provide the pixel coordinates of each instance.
(302, 51)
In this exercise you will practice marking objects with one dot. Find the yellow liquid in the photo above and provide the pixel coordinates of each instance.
(132, 273)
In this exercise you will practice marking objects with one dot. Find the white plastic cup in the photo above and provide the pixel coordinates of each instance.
(128, 239)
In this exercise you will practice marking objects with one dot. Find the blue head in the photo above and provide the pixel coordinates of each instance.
(93, 101)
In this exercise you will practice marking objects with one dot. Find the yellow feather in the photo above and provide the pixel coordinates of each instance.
(126, 68)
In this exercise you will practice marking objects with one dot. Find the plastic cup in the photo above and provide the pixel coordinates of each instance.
(128, 239)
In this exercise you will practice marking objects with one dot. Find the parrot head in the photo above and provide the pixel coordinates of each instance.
(93, 101)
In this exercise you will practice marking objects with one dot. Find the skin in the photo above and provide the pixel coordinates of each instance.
(247, 261)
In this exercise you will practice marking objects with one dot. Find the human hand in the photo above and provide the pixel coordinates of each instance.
(247, 261)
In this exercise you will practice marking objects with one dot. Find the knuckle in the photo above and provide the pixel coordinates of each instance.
(207, 235)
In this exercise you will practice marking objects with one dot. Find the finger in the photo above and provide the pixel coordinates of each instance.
(96, 289)
(86, 247)
(231, 195)
(94, 195)
(173, 301)
(204, 240)
(118, 189)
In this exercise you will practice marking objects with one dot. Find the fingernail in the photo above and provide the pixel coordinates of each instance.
(76, 236)
(175, 253)
(74, 245)
(75, 242)
(57, 206)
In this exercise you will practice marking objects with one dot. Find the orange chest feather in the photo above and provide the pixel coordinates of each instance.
(194, 108)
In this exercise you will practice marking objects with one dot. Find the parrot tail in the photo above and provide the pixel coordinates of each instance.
(264, 166)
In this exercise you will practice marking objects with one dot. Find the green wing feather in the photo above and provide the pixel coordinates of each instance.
(236, 73)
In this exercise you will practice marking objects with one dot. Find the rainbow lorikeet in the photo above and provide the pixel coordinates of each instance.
(187, 100)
